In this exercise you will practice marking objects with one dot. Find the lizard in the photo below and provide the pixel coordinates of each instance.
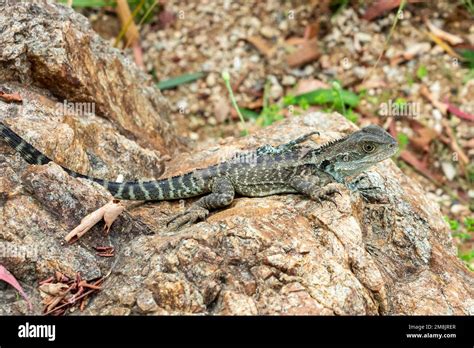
(288, 168)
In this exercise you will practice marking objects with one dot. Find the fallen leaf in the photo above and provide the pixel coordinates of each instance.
(221, 110)
(436, 103)
(165, 19)
(442, 44)
(452, 39)
(458, 112)
(53, 289)
(308, 85)
(261, 45)
(295, 41)
(412, 52)
(370, 84)
(419, 166)
(382, 6)
(109, 212)
(311, 31)
(10, 97)
(6, 276)
(424, 138)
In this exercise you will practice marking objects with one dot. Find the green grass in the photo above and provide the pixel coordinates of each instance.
(421, 72)
(90, 3)
(463, 231)
(453, 224)
(145, 13)
(403, 140)
(334, 98)
(226, 77)
(469, 5)
(179, 80)
(469, 224)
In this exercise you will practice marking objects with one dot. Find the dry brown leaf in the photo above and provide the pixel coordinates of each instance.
(424, 138)
(442, 44)
(261, 45)
(436, 103)
(10, 97)
(295, 41)
(257, 104)
(382, 6)
(125, 15)
(311, 31)
(452, 39)
(308, 85)
(52, 289)
(411, 159)
(109, 212)
(221, 110)
(370, 84)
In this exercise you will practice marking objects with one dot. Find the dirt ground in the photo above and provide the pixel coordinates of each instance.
(274, 49)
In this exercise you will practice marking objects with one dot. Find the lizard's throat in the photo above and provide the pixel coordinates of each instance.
(340, 173)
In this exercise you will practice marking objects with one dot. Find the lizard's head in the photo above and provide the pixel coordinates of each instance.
(359, 151)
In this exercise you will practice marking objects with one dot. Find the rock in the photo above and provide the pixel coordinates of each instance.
(268, 32)
(211, 80)
(390, 253)
(288, 80)
(280, 254)
(146, 302)
(448, 170)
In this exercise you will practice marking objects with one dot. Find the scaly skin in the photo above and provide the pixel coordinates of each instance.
(288, 168)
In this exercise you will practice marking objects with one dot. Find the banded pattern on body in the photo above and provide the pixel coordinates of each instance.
(176, 187)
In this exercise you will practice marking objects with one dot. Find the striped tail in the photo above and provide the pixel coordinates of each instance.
(176, 187)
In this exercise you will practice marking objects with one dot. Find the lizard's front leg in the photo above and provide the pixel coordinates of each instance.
(222, 195)
(313, 187)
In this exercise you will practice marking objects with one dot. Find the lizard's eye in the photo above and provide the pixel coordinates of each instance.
(369, 148)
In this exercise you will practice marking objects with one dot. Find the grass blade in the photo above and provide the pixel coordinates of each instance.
(179, 80)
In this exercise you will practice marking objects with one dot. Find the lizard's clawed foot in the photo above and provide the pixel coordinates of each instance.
(187, 217)
(325, 194)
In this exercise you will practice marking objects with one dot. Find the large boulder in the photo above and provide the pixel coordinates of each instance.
(387, 252)
(51, 46)
(390, 253)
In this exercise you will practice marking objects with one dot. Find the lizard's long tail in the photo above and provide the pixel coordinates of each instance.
(177, 187)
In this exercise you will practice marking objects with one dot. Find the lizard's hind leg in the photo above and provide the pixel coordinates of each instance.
(222, 195)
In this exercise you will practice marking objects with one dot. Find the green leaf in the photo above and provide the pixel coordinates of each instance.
(325, 96)
(468, 56)
(179, 80)
(400, 101)
(467, 256)
(469, 223)
(403, 140)
(90, 3)
(453, 224)
(352, 116)
(249, 114)
(462, 236)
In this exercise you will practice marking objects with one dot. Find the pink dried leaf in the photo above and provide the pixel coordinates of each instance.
(458, 112)
(6, 276)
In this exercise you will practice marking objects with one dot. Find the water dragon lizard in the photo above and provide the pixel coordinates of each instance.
(268, 170)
